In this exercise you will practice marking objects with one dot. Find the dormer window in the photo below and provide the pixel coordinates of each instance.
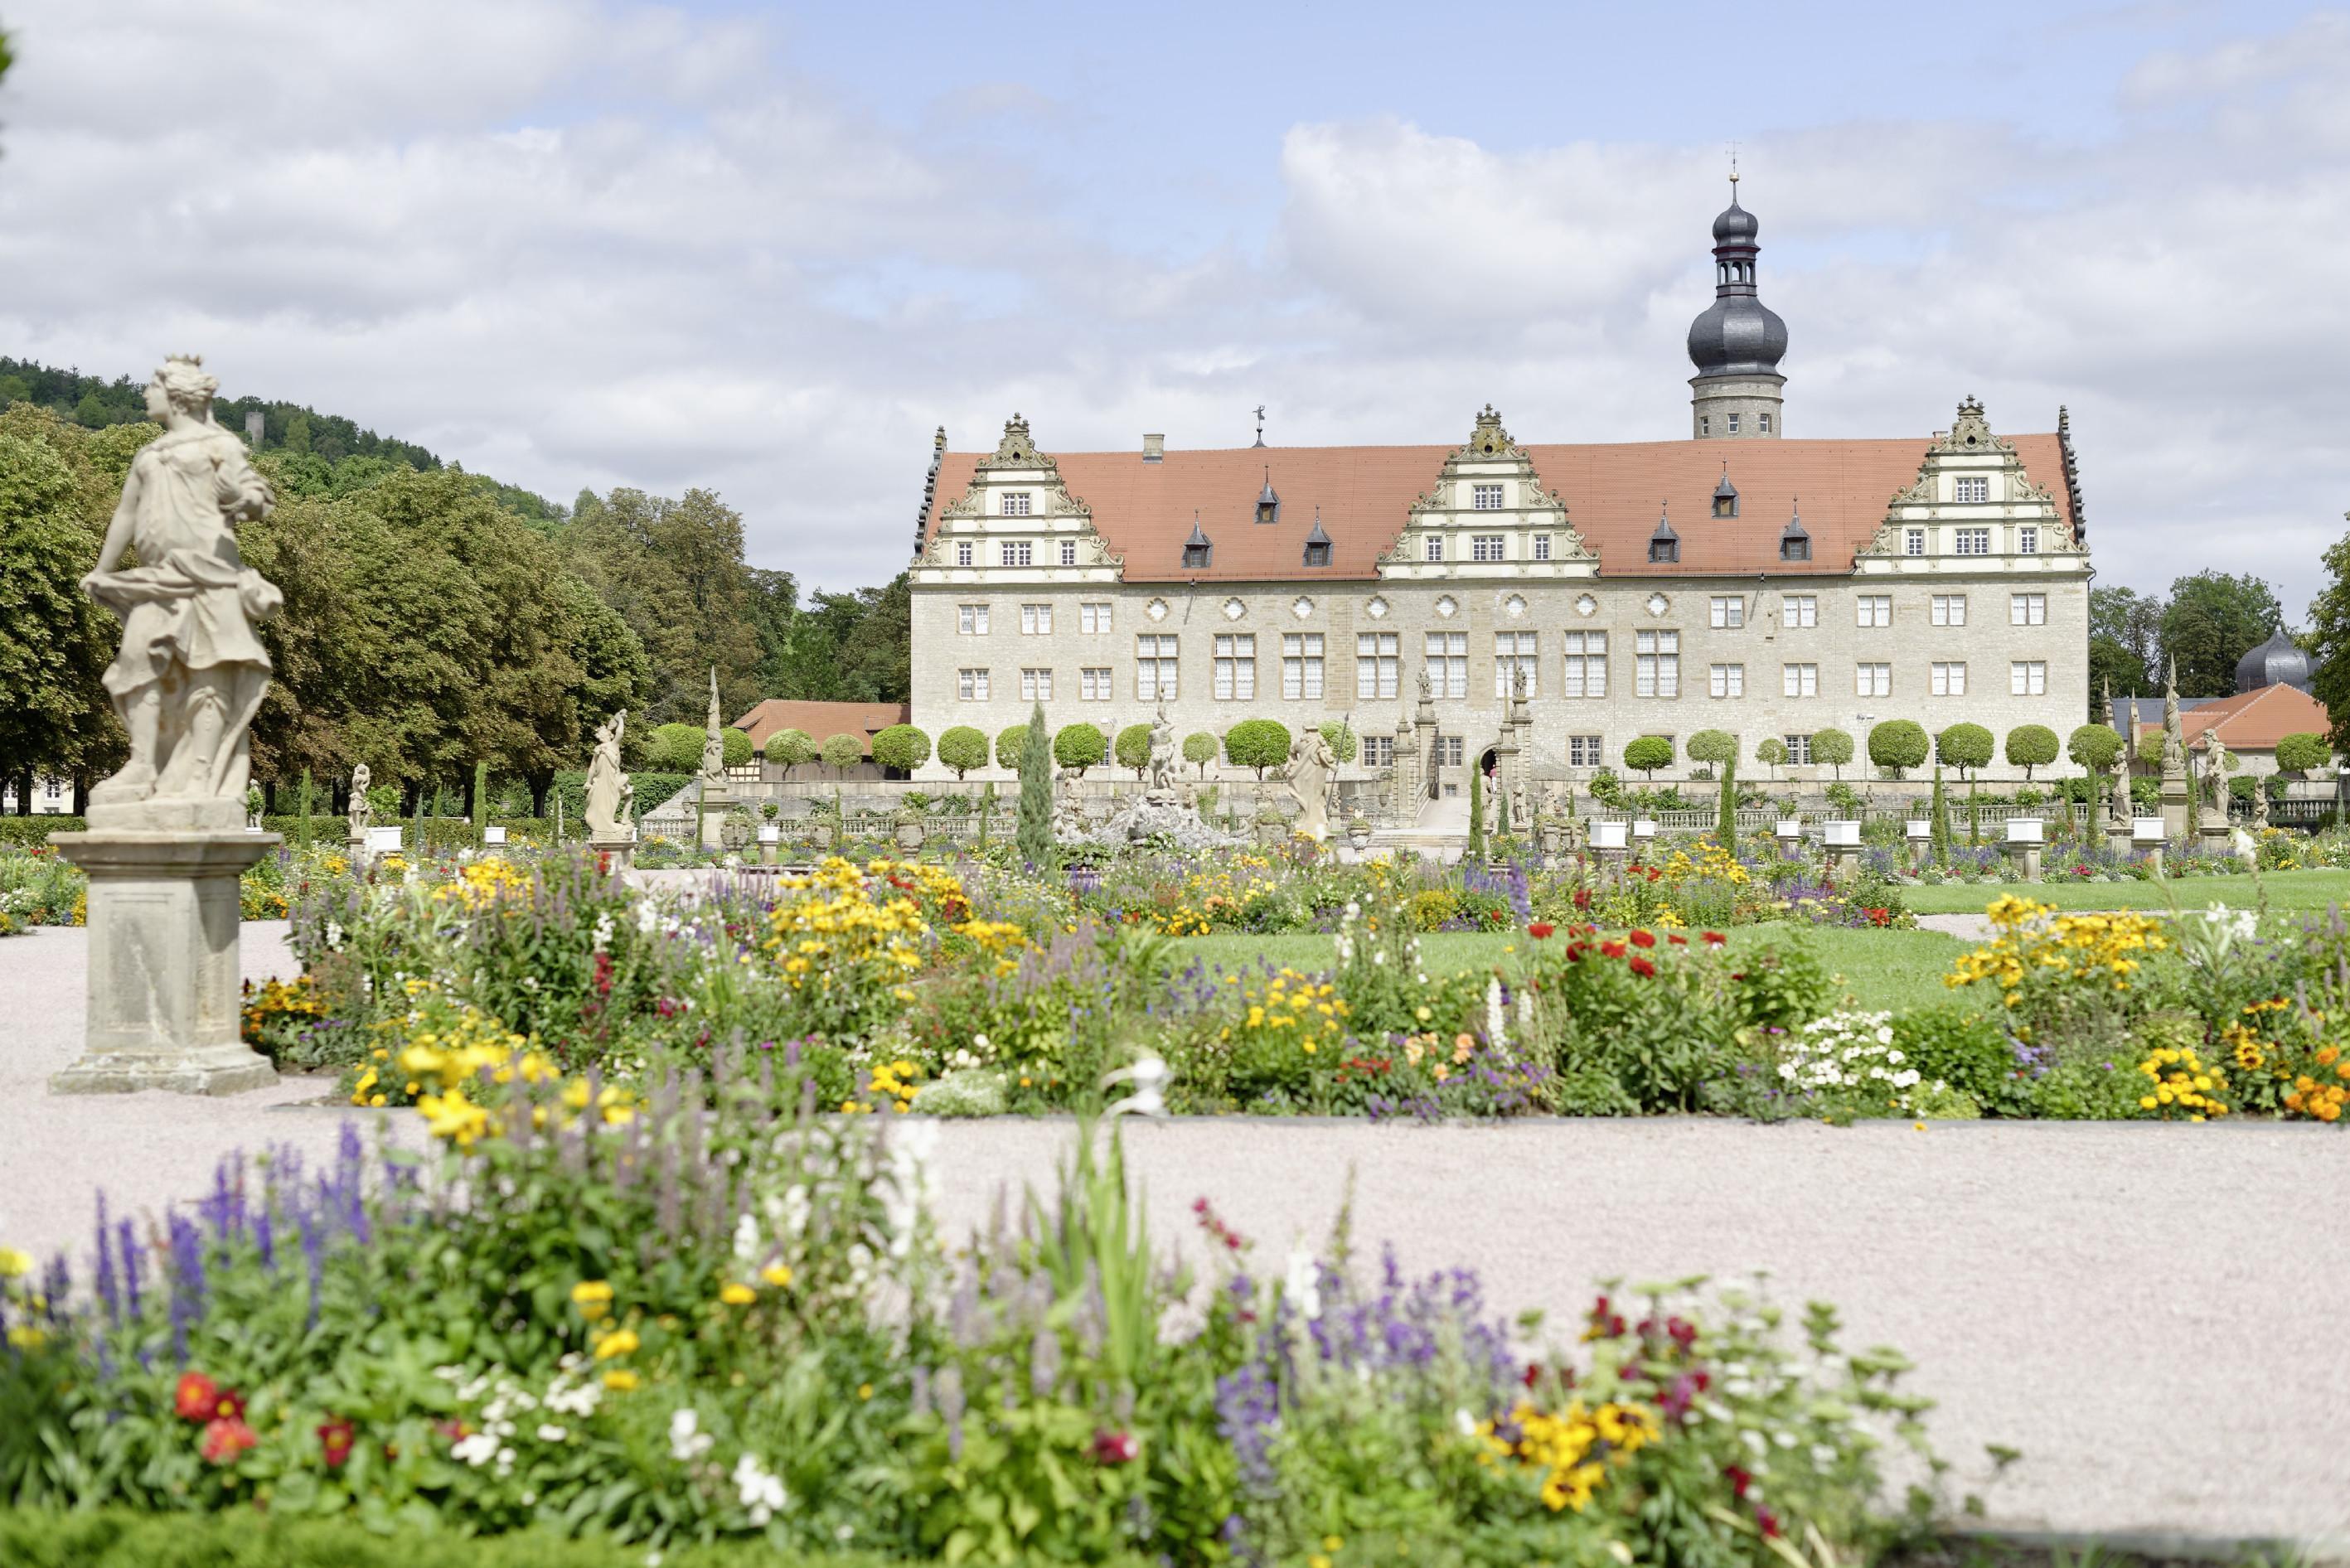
(1197, 551)
(1794, 543)
(1016, 502)
(1318, 543)
(1268, 505)
(1725, 494)
(1664, 545)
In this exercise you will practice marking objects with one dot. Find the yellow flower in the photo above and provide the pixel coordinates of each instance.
(865, 1391)
(619, 1342)
(776, 1275)
(14, 1264)
(735, 1294)
(619, 1379)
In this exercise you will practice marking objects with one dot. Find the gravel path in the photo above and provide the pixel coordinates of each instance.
(2152, 1315)
(1966, 928)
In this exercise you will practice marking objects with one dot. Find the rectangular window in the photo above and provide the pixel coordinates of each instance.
(1447, 655)
(1586, 665)
(1704, 425)
(963, 552)
(1301, 666)
(1799, 679)
(1235, 671)
(1542, 546)
(2027, 678)
(1728, 611)
(972, 619)
(1485, 497)
(1435, 551)
(1727, 680)
(1484, 546)
(1036, 620)
(1799, 750)
(971, 685)
(1732, 421)
(1035, 686)
(1949, 679)
(1448, 751)
(1872, 680)
(1015, 504)
(1583, 751)
(1379, 750)
(1967, 492)
(1657, 664)
(2027, 609)
(1093, 618)
(1019, 553)
(1069, 551)
(1949, 609)
(1799, 610)
(1763, 424)
(2027, 540)
(1913, 541)
(1094, 683)
(1377, 663)
(1515, 650)
(1973, 541)
(1873, 610)
(1154, 668)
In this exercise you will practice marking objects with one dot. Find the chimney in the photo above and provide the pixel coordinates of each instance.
(1154, 448)
(253, 428)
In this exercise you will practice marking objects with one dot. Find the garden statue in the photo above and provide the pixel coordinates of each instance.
(1068, 807)
(2215, 775)
(191, 672)
(1311, 765)
(1519, 815)
(1163, 753)
(2120, 799)
(1427, 691)
(605, 812)
(2259, 807)
(713, 740)
(360, 809)
(2174, 735)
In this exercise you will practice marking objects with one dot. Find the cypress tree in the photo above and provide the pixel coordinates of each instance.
(302, 833)
(481, 803)
(1476, 814)
(1941, 819)
(1726, 828)
(416, 829)
(1037, 792)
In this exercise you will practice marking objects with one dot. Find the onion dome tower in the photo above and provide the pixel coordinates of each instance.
(2279, 662)
(1737, 343)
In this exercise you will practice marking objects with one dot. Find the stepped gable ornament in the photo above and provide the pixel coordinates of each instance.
(1489, 441)
(191, 672)
(1016, 449)
(1971, 434)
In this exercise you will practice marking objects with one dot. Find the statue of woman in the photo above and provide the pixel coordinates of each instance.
(191, 672)
(1311, 763)
(605, 780)
(360, 809)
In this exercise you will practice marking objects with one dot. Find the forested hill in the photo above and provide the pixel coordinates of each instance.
(294, 429)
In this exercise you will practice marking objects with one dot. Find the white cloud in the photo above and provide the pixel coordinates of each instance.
(574, 245)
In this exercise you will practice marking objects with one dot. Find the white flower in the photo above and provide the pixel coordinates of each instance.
(758, 1490)
(477, 1449)
(1303, 1285)
(687, 1442)
(603, 931)
(334, 935)
(647, 918)
(746, 1240)
(1464, 1423)
(548, 1432)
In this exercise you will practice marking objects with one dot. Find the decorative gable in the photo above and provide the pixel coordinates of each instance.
(1017, 513)
(1972, 504)
(1487, 490)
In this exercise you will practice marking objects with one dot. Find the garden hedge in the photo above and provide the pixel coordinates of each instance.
(116, 1538)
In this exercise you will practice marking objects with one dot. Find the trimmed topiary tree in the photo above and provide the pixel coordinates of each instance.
(1898, 744)
(1343, 742)
(1010, 742)
(735, 747)
(2303, 753)
(2095, 747)
(1200, 750)
(1134, 748)
(962, 748)
(1079, 746)
(2031, 746)
(1648, 753)
(1965, 747)
(1035, 764)
(1258, 744)
(788, 747)
(1712, 747)
(1771, 753)
(1834, 747)
(675, 749)
(843, 752)
(901, 746)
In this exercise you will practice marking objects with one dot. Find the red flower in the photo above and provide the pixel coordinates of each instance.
(225, 1439)
(335, 1439)
(1767, 1519)
(1583, 897)
(1643, 967)
(1643, 940)
(1612, 950)
(1714, 939)
(1115, 1447)
(197, 1398)
(1656, 873)
(1676, 940)
(1533, 1370)
(1539, 930)
(1739, 1481)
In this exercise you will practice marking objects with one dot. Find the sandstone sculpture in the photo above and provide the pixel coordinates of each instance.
(360, 809)
(1311, 765)
(607, 783)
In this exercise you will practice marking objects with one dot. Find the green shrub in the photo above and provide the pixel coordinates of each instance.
(1079, 746)
(2095, 747)
(1342, 740)
(1258, 744)
(843, 751)
(2031, 746)
(1896, 744)
(1965, 747)
(1200, 750)
(788, 748)
(962, 749)
(1132, 748)
(1647, 753)
(1965, 1049)
(2298, 752)
(1010, 742)
(1771, 753)
(1712, 747)
(901, 746)
(1780, 986)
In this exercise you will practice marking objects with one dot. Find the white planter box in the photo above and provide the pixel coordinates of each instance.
(770, 834)
(2026, 830)
(1843, 834)
(1918, 829)
(1607, 834)
(2145, 830)
(493, 836)
(1793, 827)
(1643, 828)
(383, 840)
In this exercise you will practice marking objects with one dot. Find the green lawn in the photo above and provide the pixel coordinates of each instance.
(1877, 969)
(2290, 891)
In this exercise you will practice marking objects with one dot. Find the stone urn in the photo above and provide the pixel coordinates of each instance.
(909, 833)
(1270, 831)
(1358, 833)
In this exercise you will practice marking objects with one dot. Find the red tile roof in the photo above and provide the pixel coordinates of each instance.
(1613, 493)
(821, 719)
(2247, 722)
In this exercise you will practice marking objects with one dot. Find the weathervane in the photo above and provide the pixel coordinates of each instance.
(1732, 147)
(1260, 424)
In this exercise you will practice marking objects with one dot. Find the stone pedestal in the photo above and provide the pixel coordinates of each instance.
(2218, 837)
(164, 981)
(2027, 860)
(2174, 804)
(619, 854)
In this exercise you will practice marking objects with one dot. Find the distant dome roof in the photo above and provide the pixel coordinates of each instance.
(2279, 662)
(1736, 225)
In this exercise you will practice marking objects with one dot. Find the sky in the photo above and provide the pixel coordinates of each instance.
(767, 250)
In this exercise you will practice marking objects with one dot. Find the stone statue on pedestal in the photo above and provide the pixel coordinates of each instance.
(1311, 765)
(713, 739)
(360, 810)
(2215, 777)
(1068, 807)
(607, 783)
(1162, 755)
(1426, 689)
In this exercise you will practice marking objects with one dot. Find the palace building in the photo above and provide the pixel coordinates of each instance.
(1741, 579)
